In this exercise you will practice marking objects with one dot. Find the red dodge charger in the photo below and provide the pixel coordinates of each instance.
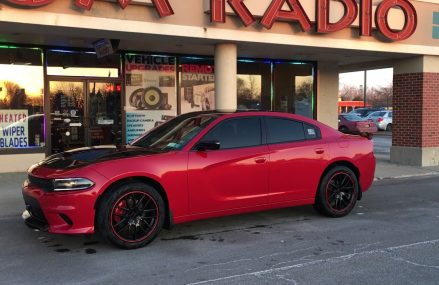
(196, 166)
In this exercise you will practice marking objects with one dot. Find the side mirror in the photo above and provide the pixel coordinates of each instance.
(207, 145)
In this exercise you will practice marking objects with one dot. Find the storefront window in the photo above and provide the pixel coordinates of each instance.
(197, 84)
(294, 88)
(151, 94)
(75, 63)
(22, 120)
(254, 84)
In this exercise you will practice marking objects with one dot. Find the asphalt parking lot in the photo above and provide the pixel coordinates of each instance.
(392, 237)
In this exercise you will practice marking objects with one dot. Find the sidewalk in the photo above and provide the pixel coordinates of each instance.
(386, 170)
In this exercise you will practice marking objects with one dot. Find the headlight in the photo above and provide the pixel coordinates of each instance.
(68, 184)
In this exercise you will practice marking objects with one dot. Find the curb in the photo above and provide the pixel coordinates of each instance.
(407, 176)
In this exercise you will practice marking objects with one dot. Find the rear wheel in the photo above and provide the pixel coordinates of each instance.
(337, 193)
(389, 127)
(131, 216)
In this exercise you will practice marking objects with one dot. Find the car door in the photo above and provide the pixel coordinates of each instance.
(234, 176)
(297, 159)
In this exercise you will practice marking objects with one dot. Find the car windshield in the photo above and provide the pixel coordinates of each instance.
(353, 118)
(175, 134)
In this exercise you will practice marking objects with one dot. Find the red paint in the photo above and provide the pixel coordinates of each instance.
(242, 11)
(381, 19)
(366, 18)
(322, 17)
(296, 13)
(213, 183)
(32, 3)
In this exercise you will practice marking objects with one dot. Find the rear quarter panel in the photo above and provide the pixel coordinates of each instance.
(359, 152)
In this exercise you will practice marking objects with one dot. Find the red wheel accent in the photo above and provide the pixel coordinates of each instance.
(340, 192)
(134, 217)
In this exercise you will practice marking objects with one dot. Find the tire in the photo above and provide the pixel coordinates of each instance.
(130, 216)
(343, 129)
(337, 193)
(389, 127)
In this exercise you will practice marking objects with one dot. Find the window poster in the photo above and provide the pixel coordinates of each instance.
(197, 88)
(14, 129)
(151, 97)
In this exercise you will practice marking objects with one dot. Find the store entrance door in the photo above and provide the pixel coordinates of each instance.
(84, 112)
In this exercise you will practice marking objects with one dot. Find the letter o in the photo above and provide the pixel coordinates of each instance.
(411, 19)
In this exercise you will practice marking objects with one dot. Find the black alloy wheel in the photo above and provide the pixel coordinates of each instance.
(131, 216)
(337, 193)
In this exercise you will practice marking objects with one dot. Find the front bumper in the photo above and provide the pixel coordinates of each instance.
(59, 212)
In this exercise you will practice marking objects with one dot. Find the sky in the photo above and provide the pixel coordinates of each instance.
(375, 78)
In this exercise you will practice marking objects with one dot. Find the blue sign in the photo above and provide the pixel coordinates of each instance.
(435, 25)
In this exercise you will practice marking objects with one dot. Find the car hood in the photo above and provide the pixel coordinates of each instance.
(88, 155)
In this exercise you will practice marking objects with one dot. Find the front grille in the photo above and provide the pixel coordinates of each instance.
(43, 184)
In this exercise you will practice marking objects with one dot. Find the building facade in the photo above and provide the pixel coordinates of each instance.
(85, 73)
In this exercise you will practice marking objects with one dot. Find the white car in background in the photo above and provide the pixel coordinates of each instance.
(383, 119)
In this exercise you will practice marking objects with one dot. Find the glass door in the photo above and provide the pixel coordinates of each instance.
(67, 106)
(105, 113)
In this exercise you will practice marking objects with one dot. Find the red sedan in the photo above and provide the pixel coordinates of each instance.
(196, 166)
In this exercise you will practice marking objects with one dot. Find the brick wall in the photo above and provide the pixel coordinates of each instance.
(416, 110)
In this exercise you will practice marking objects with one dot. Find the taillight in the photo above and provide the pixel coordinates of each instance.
(380, 120)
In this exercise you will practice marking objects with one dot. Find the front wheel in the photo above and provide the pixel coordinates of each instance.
(131, 216)
(337, 192)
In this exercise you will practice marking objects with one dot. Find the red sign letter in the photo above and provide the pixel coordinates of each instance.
(366, 18)
(163, 7)
(410, 24)
(32, 3)
(323, 25)
(296, 13)
(218, 11)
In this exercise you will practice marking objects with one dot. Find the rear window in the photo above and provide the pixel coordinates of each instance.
(282, 130)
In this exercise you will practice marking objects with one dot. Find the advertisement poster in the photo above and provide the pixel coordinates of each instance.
(151, 97)
(13, 129)
(197, 88)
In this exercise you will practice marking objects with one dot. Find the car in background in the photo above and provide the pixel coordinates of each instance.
(353, 124)
(364, 112)
(196, 166)
(382, 119)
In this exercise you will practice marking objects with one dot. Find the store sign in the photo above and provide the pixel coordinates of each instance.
(13, 129)
(328, 15)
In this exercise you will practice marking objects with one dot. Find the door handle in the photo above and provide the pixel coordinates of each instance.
(319, 150)
(260, 160)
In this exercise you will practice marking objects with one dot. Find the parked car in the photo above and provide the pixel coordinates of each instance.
(196, 166)
(383, 119)
(364, 112)
(353, 124)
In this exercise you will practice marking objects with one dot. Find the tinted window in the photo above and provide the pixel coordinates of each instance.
(311, 132)
(390, 115)
(284, 130)
(235, 133)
